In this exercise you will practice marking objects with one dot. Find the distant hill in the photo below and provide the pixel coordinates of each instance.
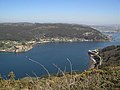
(33, 31)
(107, 28)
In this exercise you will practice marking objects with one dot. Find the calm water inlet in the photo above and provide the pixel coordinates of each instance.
(49, 54)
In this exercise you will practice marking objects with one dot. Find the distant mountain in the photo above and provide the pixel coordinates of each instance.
(33, 31)
(107, 28)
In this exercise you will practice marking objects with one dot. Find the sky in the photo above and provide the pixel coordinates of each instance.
(61, 11)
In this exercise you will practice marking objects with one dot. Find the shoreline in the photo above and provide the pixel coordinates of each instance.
(24, 46)
(95, 59)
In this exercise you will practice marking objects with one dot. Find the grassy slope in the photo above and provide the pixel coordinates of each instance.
(108, 79)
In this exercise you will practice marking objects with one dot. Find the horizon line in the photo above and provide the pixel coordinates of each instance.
(56, 23)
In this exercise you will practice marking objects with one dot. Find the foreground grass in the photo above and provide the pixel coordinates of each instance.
(95, 79)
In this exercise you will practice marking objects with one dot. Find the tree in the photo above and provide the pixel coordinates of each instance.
(1, 44)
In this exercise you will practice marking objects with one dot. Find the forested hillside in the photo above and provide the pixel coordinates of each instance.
(36, 31)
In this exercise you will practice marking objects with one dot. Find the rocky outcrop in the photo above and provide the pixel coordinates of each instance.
(95, 58)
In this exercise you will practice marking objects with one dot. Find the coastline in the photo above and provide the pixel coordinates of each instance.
(83, 77)
(95, 59)
(20, 46)
(16, 46)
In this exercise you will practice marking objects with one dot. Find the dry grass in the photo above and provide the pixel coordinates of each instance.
(88, 80)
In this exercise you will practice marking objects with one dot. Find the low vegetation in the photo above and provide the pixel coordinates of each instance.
(110, 56)
(95, 79)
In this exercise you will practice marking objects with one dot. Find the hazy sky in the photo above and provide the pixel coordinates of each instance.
(61, 11)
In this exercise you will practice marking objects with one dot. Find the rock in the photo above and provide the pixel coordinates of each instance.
(95, 58)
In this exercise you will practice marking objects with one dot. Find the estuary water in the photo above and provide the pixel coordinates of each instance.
(48, 54)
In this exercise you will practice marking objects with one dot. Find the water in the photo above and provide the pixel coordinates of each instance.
(49, 54)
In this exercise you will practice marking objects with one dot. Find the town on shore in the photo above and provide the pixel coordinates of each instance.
(21, 37)
(23, 46)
